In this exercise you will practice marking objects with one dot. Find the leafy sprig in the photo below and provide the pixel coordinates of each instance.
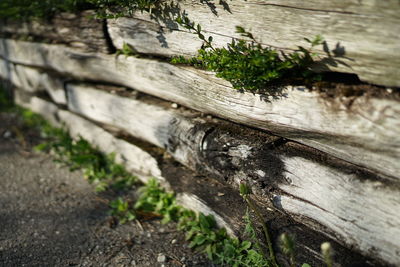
(248, 65)
(201, 230)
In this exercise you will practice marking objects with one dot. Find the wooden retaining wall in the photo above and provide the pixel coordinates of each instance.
(321, 168)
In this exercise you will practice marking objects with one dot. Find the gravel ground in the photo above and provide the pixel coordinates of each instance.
(50, 216)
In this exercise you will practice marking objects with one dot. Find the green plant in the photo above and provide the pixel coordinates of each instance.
(122, 210)
(245, 192)
(126, 50)
(201, 230)
(99, 169)
(248, 65)
(154, 199)
(287, 245)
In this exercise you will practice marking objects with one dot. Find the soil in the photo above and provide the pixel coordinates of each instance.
(50, 216)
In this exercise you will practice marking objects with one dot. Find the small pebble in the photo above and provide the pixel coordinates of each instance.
(174, 105)
(7, 134)
(161, 258)
(173, 241)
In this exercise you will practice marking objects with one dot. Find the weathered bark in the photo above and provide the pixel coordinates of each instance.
(310, 185)
(361, 37)
(80, 31)
(194, 191)
(367, 133)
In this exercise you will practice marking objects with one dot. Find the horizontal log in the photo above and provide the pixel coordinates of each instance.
(361, 37)
(80, 31)
(33, 80)
(47, 109)
(367, 133)
(355, 206)
(135, 159)
(194, 191)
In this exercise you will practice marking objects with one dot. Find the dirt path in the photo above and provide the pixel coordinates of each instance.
(50, 216)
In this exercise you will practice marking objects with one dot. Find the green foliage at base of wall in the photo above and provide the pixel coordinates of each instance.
(201, 230)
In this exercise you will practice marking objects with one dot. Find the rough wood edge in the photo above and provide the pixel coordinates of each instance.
(78, 30)
(349, 46)
(303, 179)
(33, 80)
(308, 242)
(374, 147)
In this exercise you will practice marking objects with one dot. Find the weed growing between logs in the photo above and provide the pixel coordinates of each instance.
(99, 169)
(127, 50)
(247, 65)
(201, 230)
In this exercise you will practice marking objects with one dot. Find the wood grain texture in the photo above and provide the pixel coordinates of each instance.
(135, 159)
(194, 191)
(354, 206)
(80, 31)
(367, 133)
(361, 37)
(47, 109)
(33, 80)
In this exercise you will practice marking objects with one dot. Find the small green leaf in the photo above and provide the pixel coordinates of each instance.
(246, 245)
(244, 189)
(41, 147)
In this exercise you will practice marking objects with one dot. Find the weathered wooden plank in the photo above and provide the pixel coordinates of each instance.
(46, 109)
(132, 157)
(367, 7)
(357, 207)
(194, 191)
(367, 133)
(33, 80)
(80, 31)
(361, 37)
